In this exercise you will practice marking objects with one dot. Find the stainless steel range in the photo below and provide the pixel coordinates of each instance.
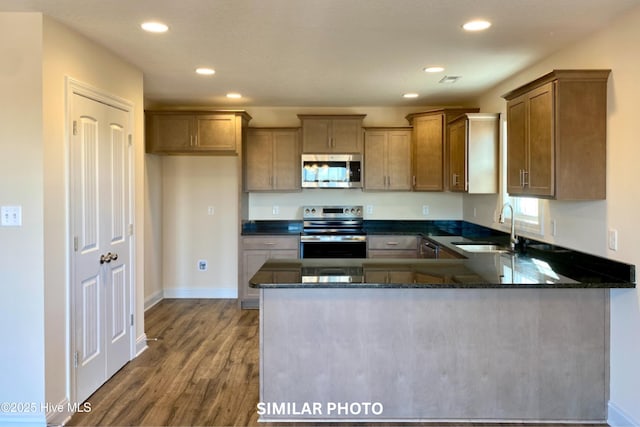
(333, 232)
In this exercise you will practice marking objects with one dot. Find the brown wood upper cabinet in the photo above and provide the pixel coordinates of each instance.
(556, 136)
(332, 133)
(387, 159)
(272, 159)
(473, 153)
(195, 132)
(429, 142)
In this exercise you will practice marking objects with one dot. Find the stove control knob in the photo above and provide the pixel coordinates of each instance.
(353, 211)
(358, 211)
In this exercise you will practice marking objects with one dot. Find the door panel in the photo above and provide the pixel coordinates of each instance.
(516, 145)
(100, 223)
(541, 141)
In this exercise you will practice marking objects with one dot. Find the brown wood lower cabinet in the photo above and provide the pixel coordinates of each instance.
(255, 251)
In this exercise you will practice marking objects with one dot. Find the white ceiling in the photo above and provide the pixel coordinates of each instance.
(327, 52)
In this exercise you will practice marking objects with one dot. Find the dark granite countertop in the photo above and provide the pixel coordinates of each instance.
(537, 265)
(542, 266)
(478, 271)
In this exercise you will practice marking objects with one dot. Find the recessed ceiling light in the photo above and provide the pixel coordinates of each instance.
(154, 27)
(234, 95)
(434, 69)
(205, 71)
(477, 25)
(410, 95)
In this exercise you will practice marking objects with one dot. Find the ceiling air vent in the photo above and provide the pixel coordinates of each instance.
(449, 79)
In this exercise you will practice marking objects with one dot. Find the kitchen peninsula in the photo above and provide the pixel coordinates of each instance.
(493, 336)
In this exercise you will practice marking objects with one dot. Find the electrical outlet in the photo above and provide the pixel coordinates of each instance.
(425, 210)
(369, 209)
(203, 265)
(475, 213)
(275, 210)
(210, 210)
(554, 229)
(613, 239)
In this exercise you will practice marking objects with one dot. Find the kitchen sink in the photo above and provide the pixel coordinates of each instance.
(482, 247)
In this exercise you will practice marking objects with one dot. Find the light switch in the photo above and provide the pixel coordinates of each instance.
(11, 216)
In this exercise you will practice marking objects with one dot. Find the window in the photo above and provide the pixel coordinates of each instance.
(527, 212)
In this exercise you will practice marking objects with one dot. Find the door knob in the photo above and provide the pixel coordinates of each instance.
(113, 256)
(105, 258)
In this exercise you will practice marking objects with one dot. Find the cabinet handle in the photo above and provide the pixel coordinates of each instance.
(195, 140)
(455, 179)
(525, 178)
(414, 180)
(392, 243)
(388, 181)
(269, 243)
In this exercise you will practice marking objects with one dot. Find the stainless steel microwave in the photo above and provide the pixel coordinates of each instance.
(332, 171)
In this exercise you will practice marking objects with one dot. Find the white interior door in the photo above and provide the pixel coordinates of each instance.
(101, 257)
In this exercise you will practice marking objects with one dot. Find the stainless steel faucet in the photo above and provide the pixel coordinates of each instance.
(513, 239)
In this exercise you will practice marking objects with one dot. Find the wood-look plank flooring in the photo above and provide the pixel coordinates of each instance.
(201, 371)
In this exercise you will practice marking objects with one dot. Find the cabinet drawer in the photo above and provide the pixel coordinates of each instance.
(393, 242)
(270, 242)
(390, 253)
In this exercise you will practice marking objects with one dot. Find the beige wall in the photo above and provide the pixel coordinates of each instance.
(66, 53)
(37, 54)
(584, 225)
(22, 271)
(190, 185)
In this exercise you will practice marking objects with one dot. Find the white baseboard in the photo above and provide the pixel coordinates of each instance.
(141, 344)
(60, 414)
(153, 300)
(23, 420)
(204, 293)
(619, 418)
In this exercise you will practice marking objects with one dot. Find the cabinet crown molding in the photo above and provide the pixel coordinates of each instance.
(453, 111)
(565, 75)
(331, 116)
(242, 113)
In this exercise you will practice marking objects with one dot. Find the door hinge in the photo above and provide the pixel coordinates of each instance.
(130, 229)
(75, 127)
(130, 137)
(75, 243)
(75, 359)
(132, 320)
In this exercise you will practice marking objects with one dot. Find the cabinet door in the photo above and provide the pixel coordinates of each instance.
(399, 160)
(541, 141)
(346, 136)
(316, 136)
(457, 155)
(374, 160)
(286, 160)
(258, 161)
(428, 146)
(216, 132)
(516, 144)
(170, 132)
(252, 261)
